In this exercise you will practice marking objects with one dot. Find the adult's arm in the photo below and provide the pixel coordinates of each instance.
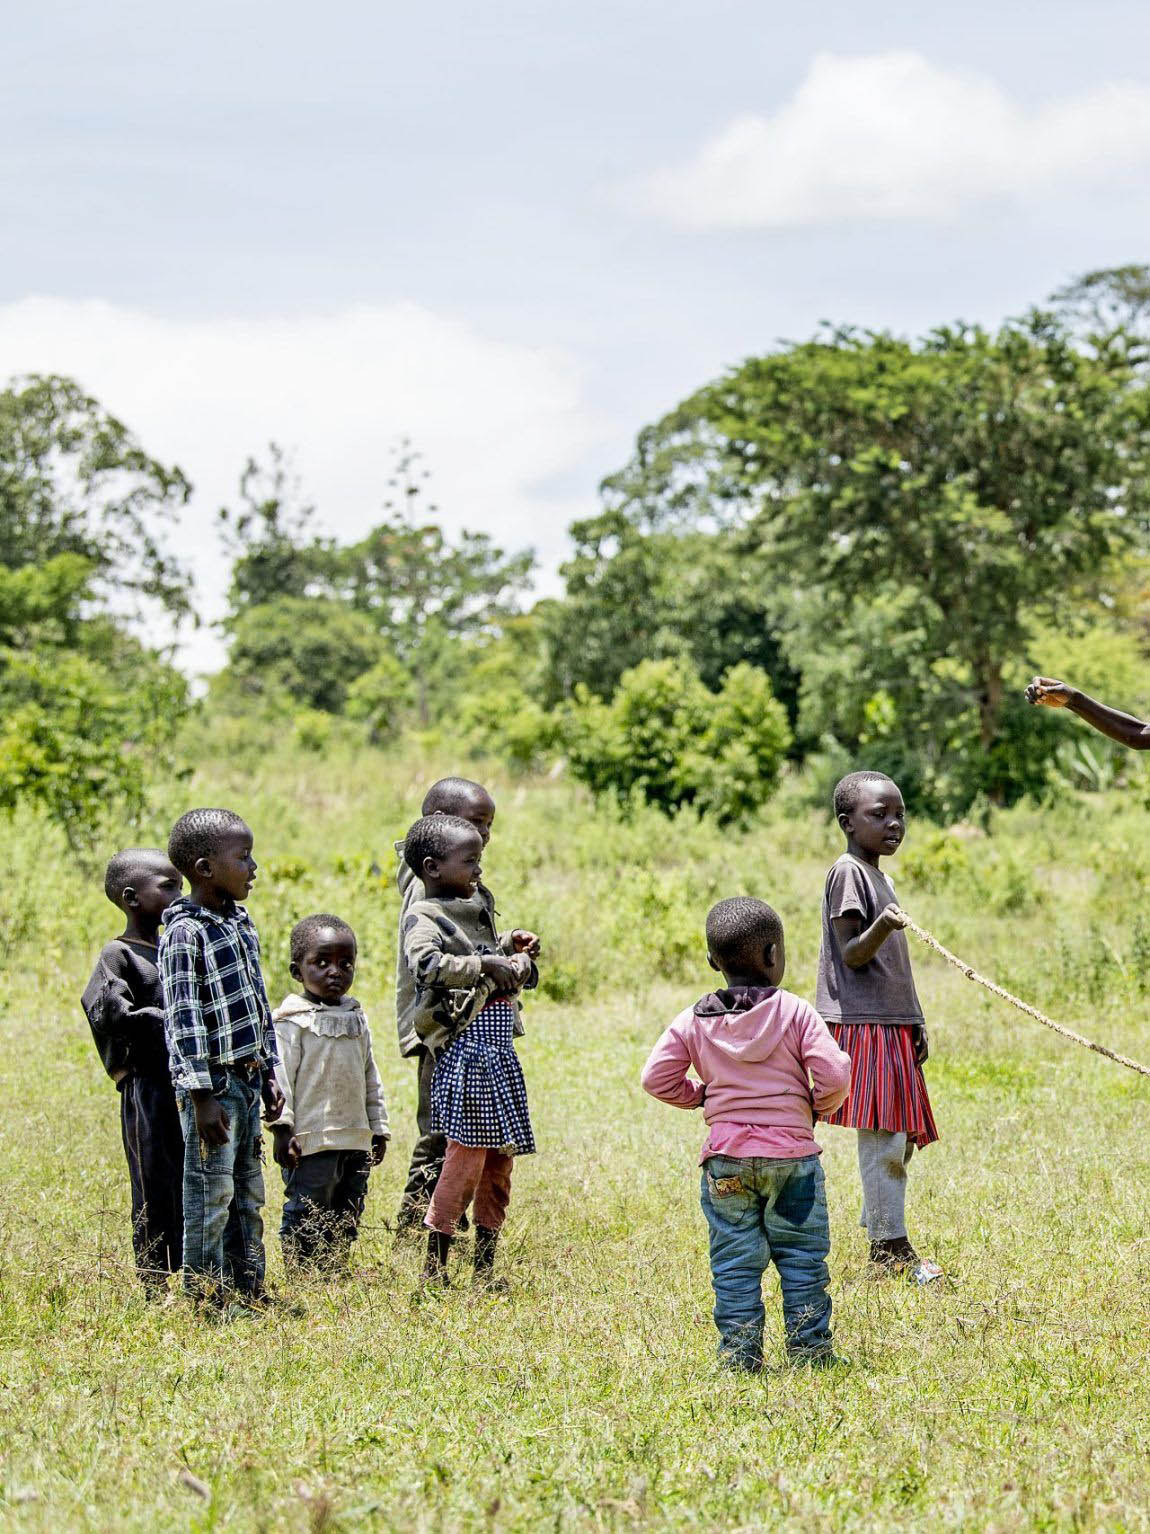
(1046, 692)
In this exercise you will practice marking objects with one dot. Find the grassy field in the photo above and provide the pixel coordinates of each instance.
(1015, 1395)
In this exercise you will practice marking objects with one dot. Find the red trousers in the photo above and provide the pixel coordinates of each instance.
(471, 1172)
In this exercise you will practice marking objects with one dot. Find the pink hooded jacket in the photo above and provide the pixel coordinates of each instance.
(764, 1058)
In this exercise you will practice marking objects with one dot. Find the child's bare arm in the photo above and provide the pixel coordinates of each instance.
(1046, 692)
(858, 944)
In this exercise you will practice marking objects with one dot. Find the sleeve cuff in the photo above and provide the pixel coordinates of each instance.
(193, 1077)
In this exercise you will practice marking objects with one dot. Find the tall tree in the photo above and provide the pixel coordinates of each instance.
(74, 480)
(987, 477)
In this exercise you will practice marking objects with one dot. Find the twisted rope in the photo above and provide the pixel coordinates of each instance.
(1023, 1006)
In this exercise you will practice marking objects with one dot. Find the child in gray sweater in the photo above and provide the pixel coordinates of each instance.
(333, 1128)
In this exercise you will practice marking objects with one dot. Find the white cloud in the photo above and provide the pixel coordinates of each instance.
(499, 424)
(894, 137)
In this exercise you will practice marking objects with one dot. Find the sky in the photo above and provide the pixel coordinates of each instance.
(517, 232)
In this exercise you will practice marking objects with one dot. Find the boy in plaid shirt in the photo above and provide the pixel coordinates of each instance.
(222, 1051)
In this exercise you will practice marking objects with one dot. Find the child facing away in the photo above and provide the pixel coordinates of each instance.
(467, 980)
(124, 1005)
(766, 1064)
(222, 1049)
(867, 994)
(471, 802)
(333, 1127)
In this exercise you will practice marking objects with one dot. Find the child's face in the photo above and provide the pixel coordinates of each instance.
(231, 869)
(459, 871)
(878, 821)
(479, 812)
(154, 886)
(327, 969)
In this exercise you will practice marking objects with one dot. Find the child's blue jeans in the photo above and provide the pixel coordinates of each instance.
(224, 1192)
(764, 1209)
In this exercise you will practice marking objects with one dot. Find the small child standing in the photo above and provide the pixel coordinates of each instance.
(466, 982)
(222, 1049)
(124, 1005)
(766, 1064)
(867, 994)
(333, 1127)
(471, 802)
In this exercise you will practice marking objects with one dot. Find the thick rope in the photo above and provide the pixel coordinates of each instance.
(1023, 1006)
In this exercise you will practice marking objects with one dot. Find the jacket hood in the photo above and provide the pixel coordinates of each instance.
(746, 1024)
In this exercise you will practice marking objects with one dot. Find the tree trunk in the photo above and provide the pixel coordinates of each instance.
(989, 705)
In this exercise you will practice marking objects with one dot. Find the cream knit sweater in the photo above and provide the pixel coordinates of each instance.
(333, 1097)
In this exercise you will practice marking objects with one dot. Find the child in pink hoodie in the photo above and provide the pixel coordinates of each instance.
(766, 1066)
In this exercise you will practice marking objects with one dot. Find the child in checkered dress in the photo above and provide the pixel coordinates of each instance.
(467, 990)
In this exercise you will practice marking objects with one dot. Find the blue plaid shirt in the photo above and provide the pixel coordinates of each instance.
(216, 1009)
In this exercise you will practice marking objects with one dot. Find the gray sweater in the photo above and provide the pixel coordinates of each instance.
(414, 1006)
(333, 1097)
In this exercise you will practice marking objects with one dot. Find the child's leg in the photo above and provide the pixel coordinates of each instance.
(354, 1173)
(154, 1142)
(244, 1233)
(493, 1193)
(739, 1254)
(799, 1233)
(462, 1169)
(309, 1203)
(208, 1188)
(427, 1156)
(883, 1157)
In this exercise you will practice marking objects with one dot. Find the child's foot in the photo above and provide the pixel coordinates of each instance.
(434, 1274)
(898, 1259)
(820, 1358)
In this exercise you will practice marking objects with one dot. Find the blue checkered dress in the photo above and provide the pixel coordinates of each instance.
(478, 1095)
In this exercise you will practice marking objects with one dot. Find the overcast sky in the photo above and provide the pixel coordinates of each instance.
(517, 231)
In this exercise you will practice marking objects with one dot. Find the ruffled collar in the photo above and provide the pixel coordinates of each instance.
(342, 1020)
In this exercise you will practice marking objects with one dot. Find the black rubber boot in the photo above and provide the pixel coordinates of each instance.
(435, 1264)
(485, 1243)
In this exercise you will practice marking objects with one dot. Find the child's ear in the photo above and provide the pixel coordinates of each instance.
(431, 866)
(293, 970)
(713, 964)
(771, 955)
(202, 868)
(844, 821)
(129, 897)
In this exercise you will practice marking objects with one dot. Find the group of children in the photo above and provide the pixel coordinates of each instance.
(181, 1017)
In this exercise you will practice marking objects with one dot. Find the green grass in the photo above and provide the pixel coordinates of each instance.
(1013, 1396)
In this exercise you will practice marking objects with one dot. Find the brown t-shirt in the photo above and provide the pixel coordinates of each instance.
(881, 991)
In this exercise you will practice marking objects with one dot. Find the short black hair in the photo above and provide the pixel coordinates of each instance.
(448, 795)
(125, 868)
(433, 837)
(305, 932)
(847, 789)
(739, 932)
(198, 834)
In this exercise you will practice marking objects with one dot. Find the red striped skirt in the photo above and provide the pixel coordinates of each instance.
(888, 1090)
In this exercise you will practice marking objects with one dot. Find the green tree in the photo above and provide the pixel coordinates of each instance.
(271, 538)
(312, 649)
(73, 480)
(972, 483)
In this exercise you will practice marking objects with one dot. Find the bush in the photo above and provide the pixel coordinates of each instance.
(665, 740)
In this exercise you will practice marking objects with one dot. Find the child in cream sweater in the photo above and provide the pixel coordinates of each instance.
(333, 1128)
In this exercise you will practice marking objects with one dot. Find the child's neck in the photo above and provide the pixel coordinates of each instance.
(741, 982)
(861, 853)
(436, 891)
(146, 932)
(211, 898)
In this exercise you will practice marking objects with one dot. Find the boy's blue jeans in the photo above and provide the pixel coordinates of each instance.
(224, 1192)
(759, 1210)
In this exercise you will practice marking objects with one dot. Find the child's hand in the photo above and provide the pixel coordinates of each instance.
(921, 1044)
(1047, 693)
(503, 971)
(272, 1095)
(286, 1149)
(894, 917)
(212, 1120)
(525, 942)
(378, 1149)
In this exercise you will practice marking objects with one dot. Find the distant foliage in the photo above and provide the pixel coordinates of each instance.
(664, 739)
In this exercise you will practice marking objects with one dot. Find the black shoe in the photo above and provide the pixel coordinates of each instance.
(435, 1263)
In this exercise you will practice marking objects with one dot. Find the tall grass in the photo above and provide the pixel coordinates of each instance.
(1014, 1396)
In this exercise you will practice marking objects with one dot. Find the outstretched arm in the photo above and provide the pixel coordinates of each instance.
(1124, 728)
